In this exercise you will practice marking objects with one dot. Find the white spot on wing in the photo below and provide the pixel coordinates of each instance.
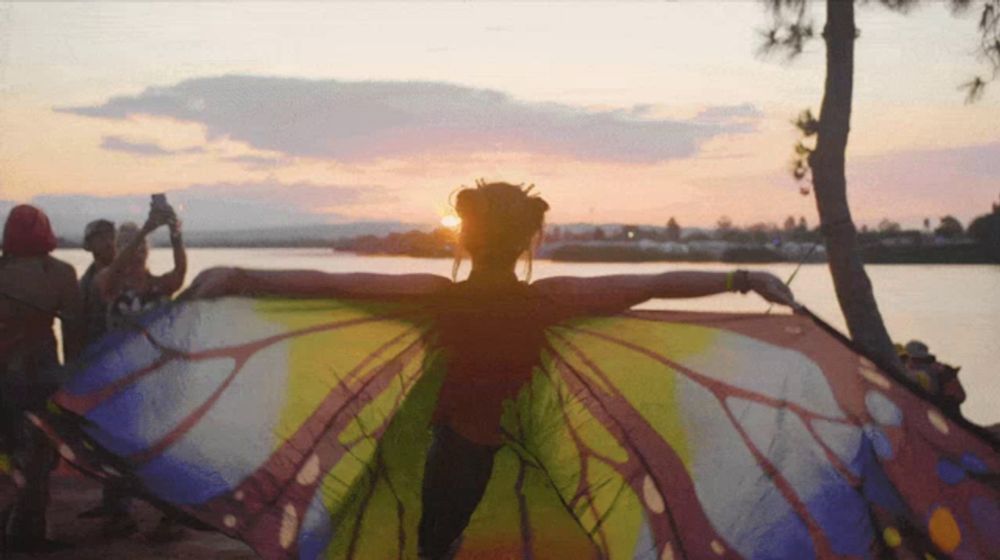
(938, 421)
(652, 497)
(66, 452)
(309, 472)
(289, 526)
(874, 377)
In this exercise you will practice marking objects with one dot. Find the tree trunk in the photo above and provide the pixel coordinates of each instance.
(827, 162)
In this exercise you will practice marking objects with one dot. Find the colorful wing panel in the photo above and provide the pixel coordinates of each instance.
(251, 415)
(758, 437)
(301, 427)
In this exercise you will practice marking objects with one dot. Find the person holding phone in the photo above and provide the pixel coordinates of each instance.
(127, 286)
(128, 290)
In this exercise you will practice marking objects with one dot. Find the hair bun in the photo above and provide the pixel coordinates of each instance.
(470, 202)
(539, 205)
(500, 219)
(536, 212)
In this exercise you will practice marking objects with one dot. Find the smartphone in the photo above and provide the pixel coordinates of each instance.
(159, 202)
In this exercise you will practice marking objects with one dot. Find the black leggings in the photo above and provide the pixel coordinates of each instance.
(455, 477)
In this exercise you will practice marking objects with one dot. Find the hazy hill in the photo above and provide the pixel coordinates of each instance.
(308, 235)
(322, 234)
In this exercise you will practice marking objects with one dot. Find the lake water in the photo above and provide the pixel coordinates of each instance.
(955, 309)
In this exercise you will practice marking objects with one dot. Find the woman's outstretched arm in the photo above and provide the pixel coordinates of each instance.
(219, 282)
(613, 294)
(172, 281)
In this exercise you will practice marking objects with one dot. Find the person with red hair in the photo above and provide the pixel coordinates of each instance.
(35, 289)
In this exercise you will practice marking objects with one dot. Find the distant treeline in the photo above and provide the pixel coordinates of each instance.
(434, 244)
(965, 253)
(947, 243)
(968, 253)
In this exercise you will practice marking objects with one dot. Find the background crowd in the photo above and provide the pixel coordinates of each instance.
(37, 288)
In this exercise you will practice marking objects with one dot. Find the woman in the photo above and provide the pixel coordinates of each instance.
(128, 289)
(126, 285)
(35, 288)
(491, 330)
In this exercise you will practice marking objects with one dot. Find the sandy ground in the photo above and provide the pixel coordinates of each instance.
(73, 494)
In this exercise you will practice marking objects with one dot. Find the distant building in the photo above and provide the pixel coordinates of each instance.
(665, 247)
(713, 247)
(902, 239)
(794, 251)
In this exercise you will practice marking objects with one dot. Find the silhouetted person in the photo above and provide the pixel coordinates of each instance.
(35, 288)
(99, 241)
(937, 379)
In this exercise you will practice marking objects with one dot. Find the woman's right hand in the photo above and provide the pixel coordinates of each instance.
(771, 288)
(156, 218)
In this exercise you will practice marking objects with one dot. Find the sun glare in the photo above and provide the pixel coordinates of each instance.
(451, 221)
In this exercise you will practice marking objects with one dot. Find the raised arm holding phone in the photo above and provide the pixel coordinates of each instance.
(127, 285)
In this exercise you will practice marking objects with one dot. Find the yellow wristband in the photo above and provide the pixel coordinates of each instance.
(729, 280)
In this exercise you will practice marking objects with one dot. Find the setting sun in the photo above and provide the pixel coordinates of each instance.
(451, 221)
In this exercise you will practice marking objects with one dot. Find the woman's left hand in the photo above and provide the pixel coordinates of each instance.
(771, 288)
(174, 223)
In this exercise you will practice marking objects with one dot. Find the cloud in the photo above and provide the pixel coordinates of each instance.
(722, 114)
(218, 206)
(259, 163)
(119, 144)
(362, 121)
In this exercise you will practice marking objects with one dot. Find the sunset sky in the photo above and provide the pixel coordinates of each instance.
(255, 115)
